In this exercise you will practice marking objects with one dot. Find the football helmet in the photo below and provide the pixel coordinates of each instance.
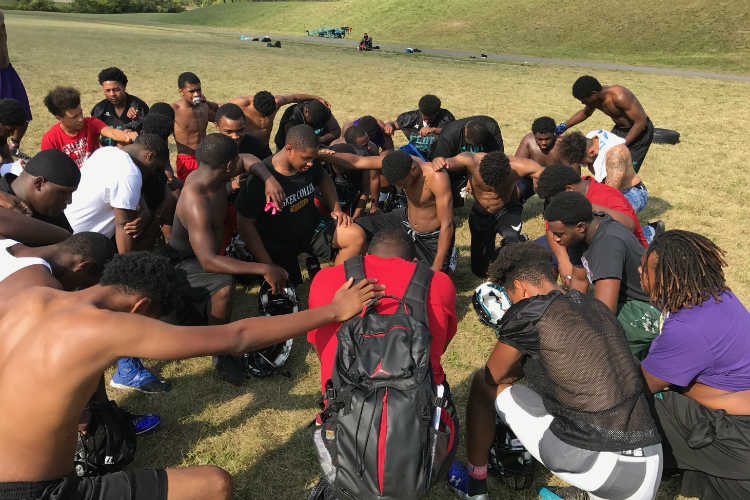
(490, 302)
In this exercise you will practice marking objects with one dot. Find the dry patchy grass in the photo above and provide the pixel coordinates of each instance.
(257, 432)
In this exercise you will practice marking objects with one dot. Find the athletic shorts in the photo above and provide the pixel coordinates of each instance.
(201, 287)
(526, 188)
(129, 485)
(713, 448)
(426, 243)
(639, 147)
(459, 179)
(637, 196)
(640, 320)
(12, 87)
(626, 475)
(483, 227)
(318, 241)
(184, 165)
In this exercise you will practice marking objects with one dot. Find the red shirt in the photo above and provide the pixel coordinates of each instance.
(612, 198)
(394, 273)
(80, 147)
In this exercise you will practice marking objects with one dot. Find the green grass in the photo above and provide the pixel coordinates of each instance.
(257, 431)
(693, 34)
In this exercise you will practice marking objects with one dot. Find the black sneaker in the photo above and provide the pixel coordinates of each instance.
(568, 492)
(229, 370)
(312, 264)
(20, 155)
(659, 227)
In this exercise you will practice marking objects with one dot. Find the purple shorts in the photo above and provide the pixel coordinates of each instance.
(12, 87)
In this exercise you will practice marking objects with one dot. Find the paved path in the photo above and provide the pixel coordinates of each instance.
(581, 64)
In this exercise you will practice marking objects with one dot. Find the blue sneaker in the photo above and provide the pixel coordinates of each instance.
(131, 374)
(458, 480)
(146, 424)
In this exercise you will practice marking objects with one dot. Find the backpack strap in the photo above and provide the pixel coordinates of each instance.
(415, 295)
(355, 268)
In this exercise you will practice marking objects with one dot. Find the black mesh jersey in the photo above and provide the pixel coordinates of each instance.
(577, 359)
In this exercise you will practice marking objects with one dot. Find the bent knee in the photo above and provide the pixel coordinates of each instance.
(222, 483)
(352, 236)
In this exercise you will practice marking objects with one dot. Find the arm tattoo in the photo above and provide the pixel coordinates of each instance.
(616, 167)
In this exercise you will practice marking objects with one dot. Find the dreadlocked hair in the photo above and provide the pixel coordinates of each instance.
(688, 270)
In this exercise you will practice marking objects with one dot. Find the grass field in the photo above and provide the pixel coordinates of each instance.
(694, 34)
(257, 432)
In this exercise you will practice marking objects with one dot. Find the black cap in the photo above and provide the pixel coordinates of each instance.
(55, 166)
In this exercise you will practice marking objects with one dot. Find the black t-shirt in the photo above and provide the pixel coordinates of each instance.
(105, 111)
(614, 252)
(251, 145)
(282, 234)
(59, 221)
(452, 139)
(576, 357)
(296, 116)
(410, 123)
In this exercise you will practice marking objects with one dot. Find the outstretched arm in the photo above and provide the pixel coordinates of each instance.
(459, 162)
(126, 136)
(440, 185)
(579, 117)
(617, 162)
(28, 231)
(283, 100)
(618, 216)
(526, 168)
(351, 162)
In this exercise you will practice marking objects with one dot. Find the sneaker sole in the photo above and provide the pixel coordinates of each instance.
(114, 384)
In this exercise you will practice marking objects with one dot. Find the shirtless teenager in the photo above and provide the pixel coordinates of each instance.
(542, 146)
(607, 157)
(191, 116)
(617, 102)
(260, 110)
(45, 332)
(197, 238)
(493, 177)
(429, 217)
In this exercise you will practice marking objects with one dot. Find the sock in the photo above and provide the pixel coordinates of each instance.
(477, 479)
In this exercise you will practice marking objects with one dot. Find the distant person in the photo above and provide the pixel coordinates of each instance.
(313, 113)
(197, 239)
(476, 134)
(12, 117)
(279, 238)
(118, 108)
(493, 177)
(703, 355)
(192, 115)
(81, 334)
(260, 110)
(75, 135)
(606, 254)
(617, 102)
(582, 412)
(11, 87)
(422, 126)
(608, 159)
(46, 187)
(542, 145)
(373, 127)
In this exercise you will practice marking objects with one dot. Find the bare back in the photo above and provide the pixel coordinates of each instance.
(490, 199)
(614, 98)
(423, 214)
(211, 206)
(40, 338)
(259, 126)
(190, 124)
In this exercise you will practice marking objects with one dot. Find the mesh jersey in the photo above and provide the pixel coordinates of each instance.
(577, 359)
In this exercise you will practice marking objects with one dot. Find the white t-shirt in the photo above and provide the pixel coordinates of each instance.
(10, 264)
(109, 180)
(607, 140)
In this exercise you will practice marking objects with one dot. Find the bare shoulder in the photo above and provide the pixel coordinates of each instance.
(242, 102)
(527, 139)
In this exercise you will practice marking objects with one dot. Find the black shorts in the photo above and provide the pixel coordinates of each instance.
(483, 227)
(713, 448)
(526, 188)
(129, 485)
(318, 241)
(201, 287)
(426, 243)
(639, 147)
(459, 179)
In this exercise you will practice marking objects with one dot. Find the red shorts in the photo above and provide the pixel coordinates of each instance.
(185, 165)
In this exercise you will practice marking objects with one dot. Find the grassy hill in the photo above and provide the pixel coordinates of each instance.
(693, 34)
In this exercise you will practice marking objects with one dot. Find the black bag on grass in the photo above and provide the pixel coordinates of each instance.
(109, 443)
(377, 437)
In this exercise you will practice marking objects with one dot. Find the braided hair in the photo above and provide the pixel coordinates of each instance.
(688, 270)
